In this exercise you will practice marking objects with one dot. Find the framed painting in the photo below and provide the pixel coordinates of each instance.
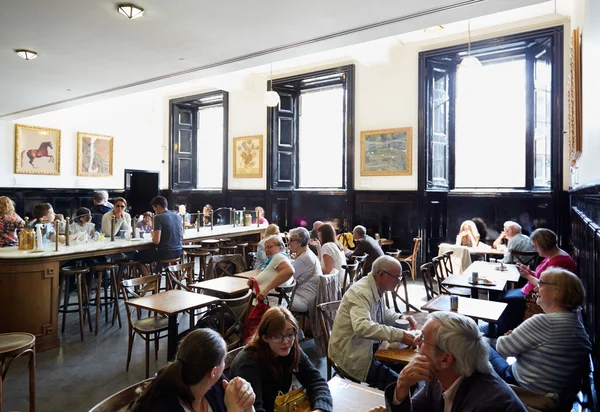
(248, 156)
(37, 150)
(94, 155)
(386, 152)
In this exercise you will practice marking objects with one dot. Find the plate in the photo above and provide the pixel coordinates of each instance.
(483, 282)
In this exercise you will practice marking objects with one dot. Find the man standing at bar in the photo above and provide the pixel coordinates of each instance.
(167, 236)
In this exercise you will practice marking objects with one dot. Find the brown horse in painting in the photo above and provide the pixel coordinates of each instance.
(32, 154)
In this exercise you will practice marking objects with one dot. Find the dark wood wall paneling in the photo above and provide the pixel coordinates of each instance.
(585, 245)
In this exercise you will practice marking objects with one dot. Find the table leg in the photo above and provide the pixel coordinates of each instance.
(491, 330)
(474, 293)
(172, 338)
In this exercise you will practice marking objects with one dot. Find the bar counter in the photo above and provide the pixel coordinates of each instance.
(29, 280)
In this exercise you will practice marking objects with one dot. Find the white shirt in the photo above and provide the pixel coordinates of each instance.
(120, 224)
(269, 273)
(449, 394)
(338, 257)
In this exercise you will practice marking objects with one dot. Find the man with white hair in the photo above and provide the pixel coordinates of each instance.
(453, 361)
(363, 321)
(517, 241)
(365, 244)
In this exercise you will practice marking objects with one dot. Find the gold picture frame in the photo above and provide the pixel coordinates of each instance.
(248, 157)
(386, 152)
(575, 99)
(94, 155)
(37, 150)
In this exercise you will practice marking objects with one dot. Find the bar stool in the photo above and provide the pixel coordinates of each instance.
(213, 250)
(161, 265)
(201, 255)
(12, 346)
(110, 281)
(82, 296)
(127, 270)
(210, 243)
(224, 241)
(243, 246)
(228, 249)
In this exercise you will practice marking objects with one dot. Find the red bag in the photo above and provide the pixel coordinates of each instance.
(256, 313)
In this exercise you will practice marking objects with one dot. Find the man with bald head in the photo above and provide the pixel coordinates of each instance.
(363, 321)
(516, 241)
(313, 233)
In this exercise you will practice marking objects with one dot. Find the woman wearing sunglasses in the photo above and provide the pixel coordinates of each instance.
(552, 348)
(123, 219)
(272, 357)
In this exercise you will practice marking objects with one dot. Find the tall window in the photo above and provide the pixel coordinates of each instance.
(497, 127)
(310, 129)
(198, 154)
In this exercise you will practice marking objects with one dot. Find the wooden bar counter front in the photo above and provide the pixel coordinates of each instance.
(29, 280)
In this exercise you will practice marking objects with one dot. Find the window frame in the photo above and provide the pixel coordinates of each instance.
(486, 49)
(195, 102)
(290, 88)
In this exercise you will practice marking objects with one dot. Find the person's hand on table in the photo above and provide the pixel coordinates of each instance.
(412, 323)
(418, 369)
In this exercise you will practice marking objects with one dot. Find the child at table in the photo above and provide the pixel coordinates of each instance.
(43, 212)
(82, 223)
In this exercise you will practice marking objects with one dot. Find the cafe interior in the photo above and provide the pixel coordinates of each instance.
(409, 119)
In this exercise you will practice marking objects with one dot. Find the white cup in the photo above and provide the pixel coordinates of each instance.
(402, 324)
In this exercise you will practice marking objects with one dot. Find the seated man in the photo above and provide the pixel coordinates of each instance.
(100, 208)
(516, 241)
(365, 244)
(363, 320)
(453, 362)
(167, 236)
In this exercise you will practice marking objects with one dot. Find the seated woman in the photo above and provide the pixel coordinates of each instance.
(272, 357)
(260, 216)
(307, 269)
(207, 212)
(261, 257)
(481, 229)
(277, 271)
(331, 253)
(544, 243)
(82, 222)
(468, 234)
(123, 219)
(195, 381)
(145, 225)
(552, 348)
(10, 221)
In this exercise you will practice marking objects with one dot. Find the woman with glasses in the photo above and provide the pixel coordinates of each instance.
(272, 357)
(307, 269)
(123, 220)
(277, 270)
(552, 348)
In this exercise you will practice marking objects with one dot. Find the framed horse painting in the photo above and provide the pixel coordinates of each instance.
(37, 150)
(94, 155)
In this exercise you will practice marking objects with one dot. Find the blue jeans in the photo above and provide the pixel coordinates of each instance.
(514, 312)
(502, 368)
(380, 374)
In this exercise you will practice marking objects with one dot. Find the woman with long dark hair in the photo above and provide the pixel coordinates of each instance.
(273, 356)
(330, 252)
(195, 381)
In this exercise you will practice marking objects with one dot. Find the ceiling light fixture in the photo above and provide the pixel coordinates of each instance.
(272, 98)
(433, 29)
(26, 54)
(469, 63)
(129, 10)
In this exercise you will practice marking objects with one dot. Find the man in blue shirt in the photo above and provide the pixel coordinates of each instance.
(167, 236)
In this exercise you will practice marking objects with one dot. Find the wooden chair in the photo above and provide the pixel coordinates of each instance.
(201, 255)
(411, 260)
(120, 401)
(13, 345)
(327, 312)
(395, 255)
(351, 272)
(149, 328)
(228, 249)
(284, 293)
(83, 299)
(441, 273)
(238, 310)
(411, 310)
(180, 276)
(229, 359)
(302, 315)
(361, 264)
(428, 276)
(531, 259)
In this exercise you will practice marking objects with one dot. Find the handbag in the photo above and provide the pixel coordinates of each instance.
(256, 313)
(531, 307)
(294, 400)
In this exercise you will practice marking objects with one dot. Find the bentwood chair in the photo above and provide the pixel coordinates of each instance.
(442, 271)
(149, 328)
(531, 259)
(179, 277)
(428, 276)
(350, 274)
(411, 310)
(411, 260)
(121, 400)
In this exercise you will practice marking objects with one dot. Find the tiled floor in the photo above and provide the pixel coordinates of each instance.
(78, 375)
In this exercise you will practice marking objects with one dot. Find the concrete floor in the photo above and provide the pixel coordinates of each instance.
(78, 375)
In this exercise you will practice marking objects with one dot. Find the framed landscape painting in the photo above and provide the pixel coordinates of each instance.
(248, 156)
(386, 152)
(94, 155)
(37, 150)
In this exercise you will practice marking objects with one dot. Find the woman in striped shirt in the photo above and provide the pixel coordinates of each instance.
(552, 348)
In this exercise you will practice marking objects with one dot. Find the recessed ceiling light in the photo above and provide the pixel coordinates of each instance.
(26, 54)
(434, 29)
(131, 11)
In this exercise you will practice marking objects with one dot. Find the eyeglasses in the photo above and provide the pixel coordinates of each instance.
(290, 337)
(120, 206)
(396, 278)
(541, 282)
(419, 340)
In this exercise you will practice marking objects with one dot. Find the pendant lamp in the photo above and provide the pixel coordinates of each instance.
(271, 96)
(469, 63)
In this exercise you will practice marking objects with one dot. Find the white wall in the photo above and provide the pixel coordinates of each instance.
(386, 97)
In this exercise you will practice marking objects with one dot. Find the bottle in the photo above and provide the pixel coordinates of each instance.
(39, 239)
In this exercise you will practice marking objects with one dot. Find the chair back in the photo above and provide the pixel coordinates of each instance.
(284, 293)
(361, 263)
(224, 265)
(120, 401)
(351, 272)
(416, 247)
(447, 261)
(328, 290)
(236, 309)
(395, 254)
(396, 295)
(440, 271)
(180, 276)
(229, 359)
(327, 312)
(531, 259)
(137, 288)
(428, 275)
